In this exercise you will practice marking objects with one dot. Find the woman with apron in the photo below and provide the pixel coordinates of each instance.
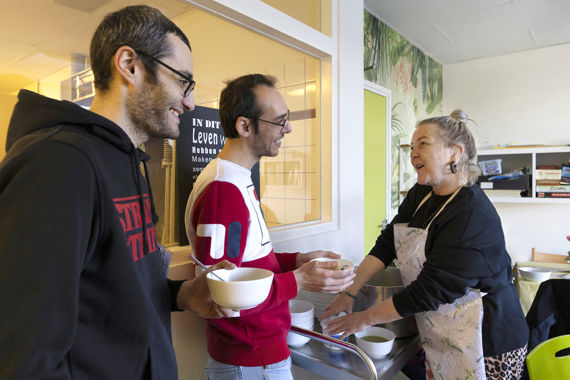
(450, 248)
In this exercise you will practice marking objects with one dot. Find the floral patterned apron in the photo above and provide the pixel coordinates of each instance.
(451, 335)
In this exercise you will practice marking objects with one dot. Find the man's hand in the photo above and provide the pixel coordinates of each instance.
(194, 295)
(319, 276)
(303, 258)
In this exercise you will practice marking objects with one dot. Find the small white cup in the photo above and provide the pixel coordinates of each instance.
(324, 324)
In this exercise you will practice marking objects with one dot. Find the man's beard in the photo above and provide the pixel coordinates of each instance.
(148, 111)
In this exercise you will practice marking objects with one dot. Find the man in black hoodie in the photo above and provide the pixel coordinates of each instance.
(83, 290)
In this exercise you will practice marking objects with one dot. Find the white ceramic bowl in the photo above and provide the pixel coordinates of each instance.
(342, 263)
(244, 288)
(535, 274)
(296, 340)
(300, 308)
(372, 348)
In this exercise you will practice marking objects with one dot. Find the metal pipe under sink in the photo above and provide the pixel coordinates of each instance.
(339, 343)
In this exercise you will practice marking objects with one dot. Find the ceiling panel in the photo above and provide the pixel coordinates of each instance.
(459, 30)
(18, 17)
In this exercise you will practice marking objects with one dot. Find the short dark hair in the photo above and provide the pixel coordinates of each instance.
(141, 27)
(238, 99)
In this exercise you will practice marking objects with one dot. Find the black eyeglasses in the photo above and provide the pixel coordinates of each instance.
(187, 78)
(282, 124)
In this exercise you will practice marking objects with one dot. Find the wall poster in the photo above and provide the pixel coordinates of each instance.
(416, 83)
(201, 139)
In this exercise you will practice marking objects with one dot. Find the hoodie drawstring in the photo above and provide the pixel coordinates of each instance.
(137, 157)
(152, 209)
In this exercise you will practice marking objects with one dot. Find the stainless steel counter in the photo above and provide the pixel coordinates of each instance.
(347, 363)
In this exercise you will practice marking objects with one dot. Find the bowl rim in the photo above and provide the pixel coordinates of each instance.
(370, 331)
(301, 302)
(341, 261)
(535, 270)
(210, 276)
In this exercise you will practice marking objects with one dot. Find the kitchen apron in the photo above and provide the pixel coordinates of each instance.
(451, 335)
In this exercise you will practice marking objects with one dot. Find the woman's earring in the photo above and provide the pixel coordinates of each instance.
(453, 167)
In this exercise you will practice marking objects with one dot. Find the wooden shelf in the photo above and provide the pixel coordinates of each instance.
(515, 158)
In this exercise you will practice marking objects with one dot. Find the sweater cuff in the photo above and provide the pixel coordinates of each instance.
(403, 303)
(173, 288)
(287, 261)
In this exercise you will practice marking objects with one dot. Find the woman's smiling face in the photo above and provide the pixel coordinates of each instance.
(431, 158)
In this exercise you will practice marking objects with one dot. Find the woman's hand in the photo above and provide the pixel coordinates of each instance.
(342, 302)
(349, 324)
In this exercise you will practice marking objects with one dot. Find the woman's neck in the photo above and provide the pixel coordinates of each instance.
(448, 187)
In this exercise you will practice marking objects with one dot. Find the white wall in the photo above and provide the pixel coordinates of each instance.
(520, 98)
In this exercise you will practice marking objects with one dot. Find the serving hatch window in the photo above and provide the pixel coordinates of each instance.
(50, 56)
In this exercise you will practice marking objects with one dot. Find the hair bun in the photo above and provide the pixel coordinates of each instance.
(459, 115)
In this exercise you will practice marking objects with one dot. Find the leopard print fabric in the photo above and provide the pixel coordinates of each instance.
(507, 366)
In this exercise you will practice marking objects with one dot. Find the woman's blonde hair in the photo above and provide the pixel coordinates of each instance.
(453, 131)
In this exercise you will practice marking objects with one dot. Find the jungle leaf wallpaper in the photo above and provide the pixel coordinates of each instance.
(416, 83)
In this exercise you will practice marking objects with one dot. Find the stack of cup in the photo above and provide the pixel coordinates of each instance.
(302, 315)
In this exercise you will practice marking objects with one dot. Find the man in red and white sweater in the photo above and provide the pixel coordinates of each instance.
(224, 221)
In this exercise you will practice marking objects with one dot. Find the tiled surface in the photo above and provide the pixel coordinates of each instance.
(291, 182)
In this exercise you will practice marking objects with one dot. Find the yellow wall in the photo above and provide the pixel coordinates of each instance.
(374, 166)
(7, 103)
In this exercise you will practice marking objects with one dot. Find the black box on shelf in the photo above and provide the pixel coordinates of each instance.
(521, 183)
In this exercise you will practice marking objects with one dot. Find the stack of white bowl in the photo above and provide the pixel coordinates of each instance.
(302, 315)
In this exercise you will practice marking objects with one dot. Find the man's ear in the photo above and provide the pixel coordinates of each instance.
(125, 63)
(243, 126)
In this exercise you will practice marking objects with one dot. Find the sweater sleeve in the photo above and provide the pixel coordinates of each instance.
(47, 197)
(287, 261)
(220, 218)
(455, 258)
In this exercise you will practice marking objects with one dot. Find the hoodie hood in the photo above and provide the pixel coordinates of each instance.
(34, 112)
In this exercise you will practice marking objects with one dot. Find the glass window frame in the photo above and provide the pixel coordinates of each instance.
(262, 18)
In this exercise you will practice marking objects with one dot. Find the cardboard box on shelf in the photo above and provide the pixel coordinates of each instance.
(547, 182)
(552, 174)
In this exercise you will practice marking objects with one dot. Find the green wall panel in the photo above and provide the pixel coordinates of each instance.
(374, 166)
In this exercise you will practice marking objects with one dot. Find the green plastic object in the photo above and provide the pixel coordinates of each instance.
(543, 364)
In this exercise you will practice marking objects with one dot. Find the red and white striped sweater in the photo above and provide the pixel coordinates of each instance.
(224, 221)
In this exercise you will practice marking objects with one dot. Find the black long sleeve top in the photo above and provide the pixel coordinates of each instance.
(465, 247)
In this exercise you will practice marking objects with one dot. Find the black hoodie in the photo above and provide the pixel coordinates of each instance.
(83, 291)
